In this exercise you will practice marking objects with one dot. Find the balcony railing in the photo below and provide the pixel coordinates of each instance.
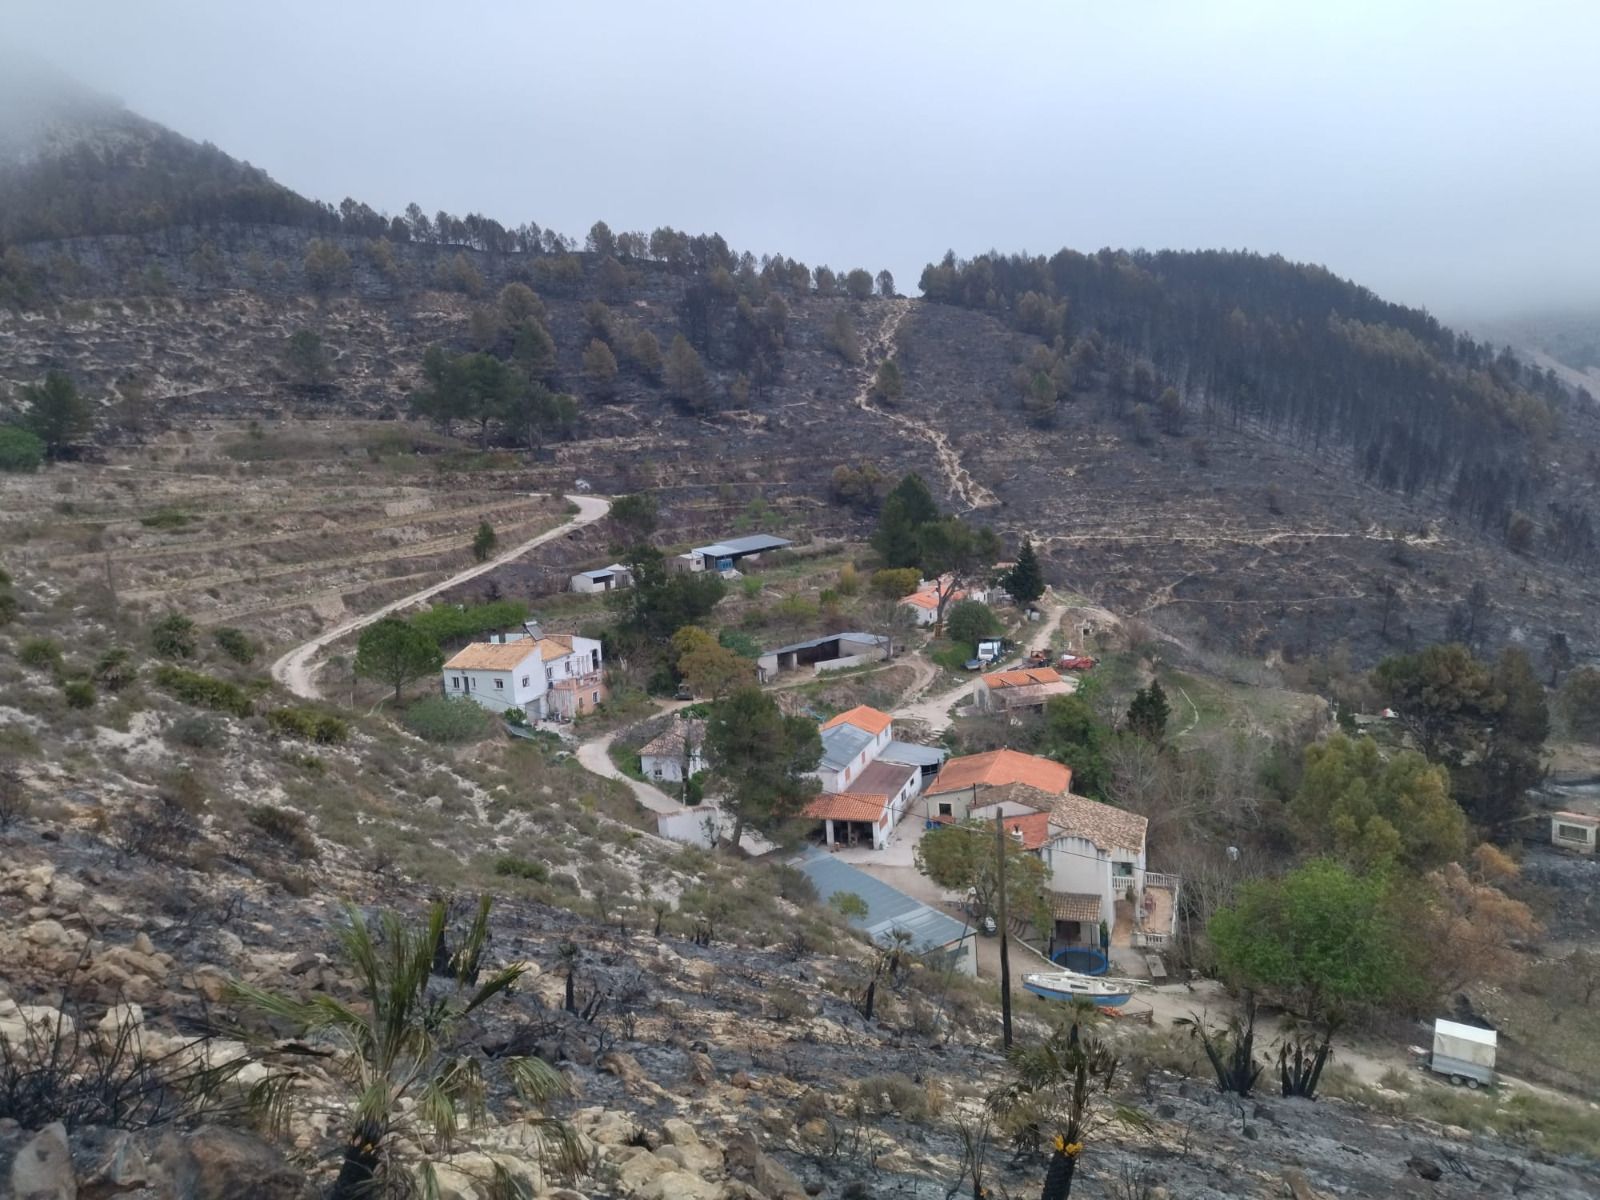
(1161, 880)
(574, 683)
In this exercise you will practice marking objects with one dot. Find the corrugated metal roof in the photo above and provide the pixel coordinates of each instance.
(887, 908)
(750, 544)
(871, 639)
(842, 745)
(913, 754)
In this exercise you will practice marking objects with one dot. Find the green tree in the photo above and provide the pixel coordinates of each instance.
(327, 267)
(1073, 735)
(906, 509)
(1025, 581)
(686, 375)
(20, 449)
(1148, 712)
(1443, 697)
(540, 413)
(1322, 940)
(896, 583)
(662, 601)
(395, 653)
(763, 759)
(962, 858)
(307, 362)
(886, 284)
(173, 636)
(1557, 655)
(409, 1051)
(600, 366)
(484, 542)
(1372, 813)
(858, 284)
(636, 514)
(520, 305)
(534, 351)
(56, 412)
(842, 337)
(970, 621)
(1580, 704)
(952, 552)
(887, 384)
(647, 356)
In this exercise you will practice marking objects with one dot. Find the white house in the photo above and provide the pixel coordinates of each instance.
(1575, 831)
(664, 756)
(556, 675)
(498, 676)
(868, 812)
(963, 784)
(850, 742)
(603, 579)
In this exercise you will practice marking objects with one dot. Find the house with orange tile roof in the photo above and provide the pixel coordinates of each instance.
(963, 783)
(550, 675)
(869, 811)
(1020, 689)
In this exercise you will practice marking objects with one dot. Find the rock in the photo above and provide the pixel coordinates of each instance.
(1424, 1168)
(740, 1080)
(212, 1162)
(53, 935)
(211, 982)
(606, 1127)
(1163, 1110)
(451, 1184)
(769, 1177)
(42, 1169)
(1249, 1131)
(120, 1020)
(640, 1169)
(107, 1160)
(33, 1027)
(701, 1069)
(142, 943)
(626, 1068)
(1457, 1133)
(66, 892)
(679, 1185)
(685, 1148)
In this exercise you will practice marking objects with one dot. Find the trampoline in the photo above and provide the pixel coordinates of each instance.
(1082, 959)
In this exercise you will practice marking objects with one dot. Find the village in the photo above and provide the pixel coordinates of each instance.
(885, 783)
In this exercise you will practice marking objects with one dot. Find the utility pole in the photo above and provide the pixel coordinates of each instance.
(1005, 957)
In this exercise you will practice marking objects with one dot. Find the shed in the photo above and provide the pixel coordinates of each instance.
(1574, 831)
(602, 579)
(888, 909)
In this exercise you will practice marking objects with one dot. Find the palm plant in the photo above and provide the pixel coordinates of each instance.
(407, 1063)
(1231, 1049)
(1060, 1095)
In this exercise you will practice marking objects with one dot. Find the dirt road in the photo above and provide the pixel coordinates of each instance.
(934, 711)
(294, 669)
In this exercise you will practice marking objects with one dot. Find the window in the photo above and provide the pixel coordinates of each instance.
(549, 674)
(594, 660)
(1124, 869)
(1572, 833)
(472, 684)
(455, 682)
(524, 681)
(499, 685)
(597, 697)
(946, 809)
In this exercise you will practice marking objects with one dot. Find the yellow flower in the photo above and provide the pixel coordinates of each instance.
(1061, 1144)
(1073, 1150)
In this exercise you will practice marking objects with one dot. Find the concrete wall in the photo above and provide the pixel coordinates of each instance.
(479, 687)
(690, 826)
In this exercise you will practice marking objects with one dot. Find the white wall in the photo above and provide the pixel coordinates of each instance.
(690, 825)
(479, 687)
(670, 766)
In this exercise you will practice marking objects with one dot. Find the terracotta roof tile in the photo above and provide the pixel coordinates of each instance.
(491, 656)
(1074, 906)
(669, 743)
(1000, 767)
(1023, 677)
(845, 806)
(1034, 828)
(862, 717)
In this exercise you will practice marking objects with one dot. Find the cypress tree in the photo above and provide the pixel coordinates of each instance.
(1025, 581)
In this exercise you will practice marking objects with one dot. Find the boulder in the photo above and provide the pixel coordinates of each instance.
(679, 1185)
(685, 1147)
(626, 1068)
(121, 1020)
(701, 1069)
(765, 1173)
(26, 1027)
(1425, 1168)
(639, 1169)
(51, 934)
(107, 1160)
(212, 1162)
(43, 1168)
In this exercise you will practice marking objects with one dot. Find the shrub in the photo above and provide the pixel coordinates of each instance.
(789, 1004)
(20, 449)
(514, 716)
(41, 654)
(166, 519)
(283, 825)
(204, 691)
(445, 622)
(173, 636)
(970, 621)
(521, 868)
(196, 732)
(79, 693)
(449, 722)
(323, 728)
(115, 669)
(236, 644)
(8, 608)
(882, 1095)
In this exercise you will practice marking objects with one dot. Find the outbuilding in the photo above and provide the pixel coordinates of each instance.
(603, 579)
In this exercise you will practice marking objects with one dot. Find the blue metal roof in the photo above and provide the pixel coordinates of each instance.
(841, 745)
(914, 755)
(888, 909)
(750, 544)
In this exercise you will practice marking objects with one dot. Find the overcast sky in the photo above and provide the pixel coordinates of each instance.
(1443, 153)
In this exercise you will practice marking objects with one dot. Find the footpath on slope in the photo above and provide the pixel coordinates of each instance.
(294, 669)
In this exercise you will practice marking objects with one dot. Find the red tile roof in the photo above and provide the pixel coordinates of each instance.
(862, 717)
(1023, 677)
(845, 806)
(1001, 767)
(1034, 828)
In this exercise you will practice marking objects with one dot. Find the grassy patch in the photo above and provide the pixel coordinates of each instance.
(626, 759)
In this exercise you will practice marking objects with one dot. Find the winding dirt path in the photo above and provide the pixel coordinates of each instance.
(967, 489)
(294, 669)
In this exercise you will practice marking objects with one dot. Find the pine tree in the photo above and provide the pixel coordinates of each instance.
(905, 510)
(1025, 581)
(1148, 712)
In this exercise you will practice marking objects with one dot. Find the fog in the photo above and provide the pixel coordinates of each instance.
(1441, 153)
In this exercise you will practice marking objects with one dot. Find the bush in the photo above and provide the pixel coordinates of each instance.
(173, 636)
(79, 693)
(514, 716)
(970, 621)
(283, 825)
(323, 728)
(883, 1095)
(446, 622)
(449, 722)
(20, 449)
(521, 868)
(204, 691)
(166, 519)
(8, 608)
(236, 644)
(41, 654)
(115, 669)
(196, 732)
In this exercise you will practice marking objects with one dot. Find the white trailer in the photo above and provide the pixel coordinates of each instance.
(1464, 1054)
